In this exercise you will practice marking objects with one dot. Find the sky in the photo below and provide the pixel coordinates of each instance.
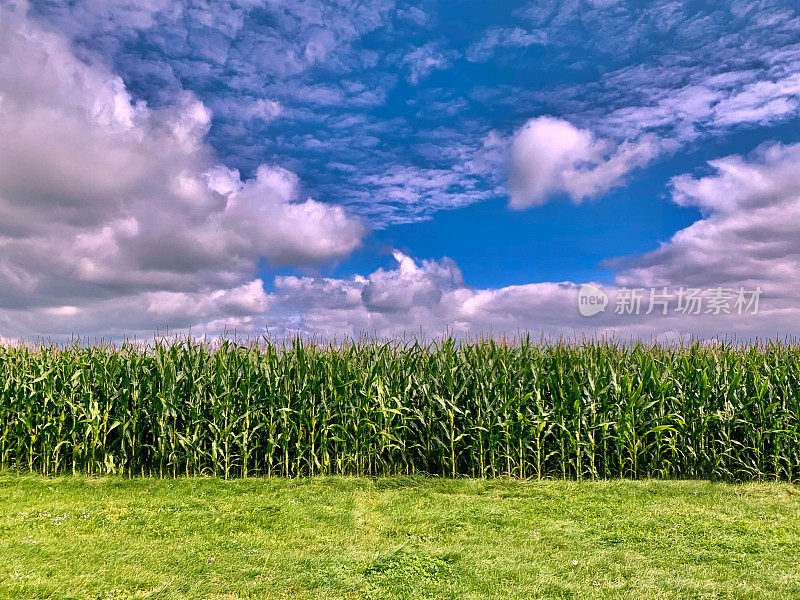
(386, 168)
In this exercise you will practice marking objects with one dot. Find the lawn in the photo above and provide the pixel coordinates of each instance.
(77, 537)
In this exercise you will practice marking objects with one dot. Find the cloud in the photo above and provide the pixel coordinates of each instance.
(116, 216)
(415, 15)
(288, 39)
(680, 71)
(245, 300)
(423, 60)
(748, 239)
(404, 193)
(749, 234)
(269, 219)
(760, 102)
(108, 204)
(263, 108)
(713, 102)
(503, 37)
(551, 156)
(430, 299)
(410, 286)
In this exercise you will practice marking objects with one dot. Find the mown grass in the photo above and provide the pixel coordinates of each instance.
(329, 537)
(483, 409)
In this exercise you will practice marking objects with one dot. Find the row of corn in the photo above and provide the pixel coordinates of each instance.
(486, 408)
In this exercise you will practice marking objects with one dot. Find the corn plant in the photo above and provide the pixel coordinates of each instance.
(482, 408)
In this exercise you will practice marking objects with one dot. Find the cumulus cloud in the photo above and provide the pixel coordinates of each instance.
(105, 201)
(430, 299)
(550, 156)
(749, 234)
(247, 299)
(618, 68)
(748, 239)
(426, 298)
(269, 219)
(410, 286)
(116, 218)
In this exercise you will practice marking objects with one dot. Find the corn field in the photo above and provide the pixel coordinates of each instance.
(481, 409)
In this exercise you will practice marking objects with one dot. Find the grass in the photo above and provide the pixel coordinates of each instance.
(334, 537)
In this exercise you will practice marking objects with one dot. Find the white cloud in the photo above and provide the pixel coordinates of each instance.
(107, 204)
(410, 286)
(551, 156)
(503, 37)
(676, 69)
(403, 193)
(415, 15)
(247, 299)
(712, 102)
(115, 217)
(296, 35)
(431, 299)
(748, 238)
(749, 234)
(269, 220)
(264, 108)
(423, 60)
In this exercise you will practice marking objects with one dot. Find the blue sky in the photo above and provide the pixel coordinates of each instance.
(496, 146)
(419, 118)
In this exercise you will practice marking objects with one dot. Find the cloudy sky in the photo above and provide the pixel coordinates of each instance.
(399, 168)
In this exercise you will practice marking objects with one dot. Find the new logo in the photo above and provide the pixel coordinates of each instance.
(591, 300)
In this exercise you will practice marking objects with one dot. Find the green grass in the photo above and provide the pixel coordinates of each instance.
(328, 537)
